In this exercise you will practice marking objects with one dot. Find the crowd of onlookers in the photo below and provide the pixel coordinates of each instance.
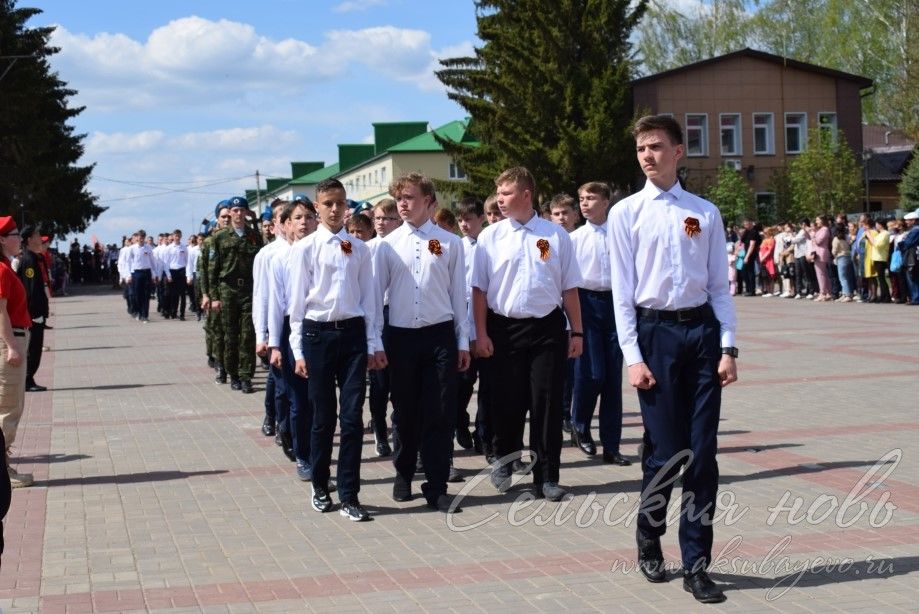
(870, 260)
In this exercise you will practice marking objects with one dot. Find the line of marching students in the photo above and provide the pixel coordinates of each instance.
(393, 293)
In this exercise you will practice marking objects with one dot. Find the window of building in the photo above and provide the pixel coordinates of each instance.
(795, 132)
(827, 123)
(730, 134)
(383, 176)
(456, 171)
(696, 134)
(376, 177)
(763, 134)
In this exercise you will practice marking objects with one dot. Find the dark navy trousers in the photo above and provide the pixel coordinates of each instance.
(379, 390)
(299, 411)
(598, 371)
(527, 375)
(140, 281)
(423, 380)
(336, 358)
(680, 415)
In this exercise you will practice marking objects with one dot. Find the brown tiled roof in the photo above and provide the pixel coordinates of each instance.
(863, 82)
(879, 136)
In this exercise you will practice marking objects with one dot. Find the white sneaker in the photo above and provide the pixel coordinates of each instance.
(799, 296)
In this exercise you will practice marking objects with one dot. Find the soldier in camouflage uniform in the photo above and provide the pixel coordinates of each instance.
(213, 329)
(230, 284)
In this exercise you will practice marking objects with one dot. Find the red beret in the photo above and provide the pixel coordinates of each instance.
(7, 225)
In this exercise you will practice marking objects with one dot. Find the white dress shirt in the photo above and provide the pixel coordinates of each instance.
(509, 268)
(278, 292)
(374, 244)
(140, 256)
(327, 285)
(191, 266)
(124, 270)
(657, 264)
(260, 288)
(424, 288)
(591, 250)
(175, 256)
(469, 245)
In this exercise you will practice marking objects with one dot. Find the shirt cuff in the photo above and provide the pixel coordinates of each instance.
(727, 338)
(632, 355)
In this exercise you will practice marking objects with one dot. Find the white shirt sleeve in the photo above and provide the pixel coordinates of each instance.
(622, 273)
(718, 286)
(300, 282)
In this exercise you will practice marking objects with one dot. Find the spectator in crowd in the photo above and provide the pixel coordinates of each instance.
(877, 237)
(767, 263)
(821, 250)
(842, 257)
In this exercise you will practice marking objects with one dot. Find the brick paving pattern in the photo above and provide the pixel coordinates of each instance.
(155, 490)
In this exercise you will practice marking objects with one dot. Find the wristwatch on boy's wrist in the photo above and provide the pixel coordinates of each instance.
(730, 351)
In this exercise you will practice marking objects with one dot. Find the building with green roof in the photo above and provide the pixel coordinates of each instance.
(366, 169)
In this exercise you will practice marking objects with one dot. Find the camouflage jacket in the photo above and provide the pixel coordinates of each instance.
(230, 260)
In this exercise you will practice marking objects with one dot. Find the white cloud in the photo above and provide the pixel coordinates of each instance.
(351, 6)
(235, 139)
(100, 143)
(196, 61)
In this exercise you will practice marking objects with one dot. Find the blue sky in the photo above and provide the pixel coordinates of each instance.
(182, 94)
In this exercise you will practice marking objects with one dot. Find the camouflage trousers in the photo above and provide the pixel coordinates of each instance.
(213, 336)
(238, 332)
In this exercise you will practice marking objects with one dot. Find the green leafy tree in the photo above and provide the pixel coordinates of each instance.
(909, 185)
(825, 178)
(731, 194)
(39, 151)
(668, 37)
(547, 89)
(780, 185)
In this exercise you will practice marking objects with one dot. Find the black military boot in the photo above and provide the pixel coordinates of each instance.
(235, 384)
(247, 386)
(221, 375)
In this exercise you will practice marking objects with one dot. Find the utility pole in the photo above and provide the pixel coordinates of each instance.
(258, 194)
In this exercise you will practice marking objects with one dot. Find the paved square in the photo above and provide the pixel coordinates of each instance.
(155, 490)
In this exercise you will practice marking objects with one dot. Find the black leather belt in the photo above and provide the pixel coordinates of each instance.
(337, 325)
(677, 315)
(604, 294)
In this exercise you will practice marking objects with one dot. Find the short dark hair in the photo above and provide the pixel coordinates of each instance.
(659, 122)
(470, 206)
(327, 185)
(562, 200)
(360, 220)
(805, 221)
(287, 210)
(599, 188)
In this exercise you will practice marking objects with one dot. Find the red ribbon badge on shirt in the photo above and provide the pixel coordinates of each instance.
(543, 246)
(346, 247)
(434, 247)
(691, 226)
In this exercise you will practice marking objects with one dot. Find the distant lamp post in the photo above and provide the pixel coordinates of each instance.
(866, 155)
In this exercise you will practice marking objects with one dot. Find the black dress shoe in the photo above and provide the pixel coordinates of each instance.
(36, 388)
(463, 438)
(702, 588)
(211, 362)
(566, 425)
(614, 458)
(268, 428)
(401, 489)
(443, 503)
(650, 558)
(287, 445)
(235, 384)
(221, 376)
(321, 501)
(584, 442)
(247, 387)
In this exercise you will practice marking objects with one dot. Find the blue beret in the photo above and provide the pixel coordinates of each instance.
(302, 198)
(238, 202)
(266, 215)
(221, 205)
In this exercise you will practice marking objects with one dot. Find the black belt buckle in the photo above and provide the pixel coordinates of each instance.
(685, 315)
(240, 282)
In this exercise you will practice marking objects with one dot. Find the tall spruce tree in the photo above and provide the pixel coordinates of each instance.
(548, 89)
(39, 176)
